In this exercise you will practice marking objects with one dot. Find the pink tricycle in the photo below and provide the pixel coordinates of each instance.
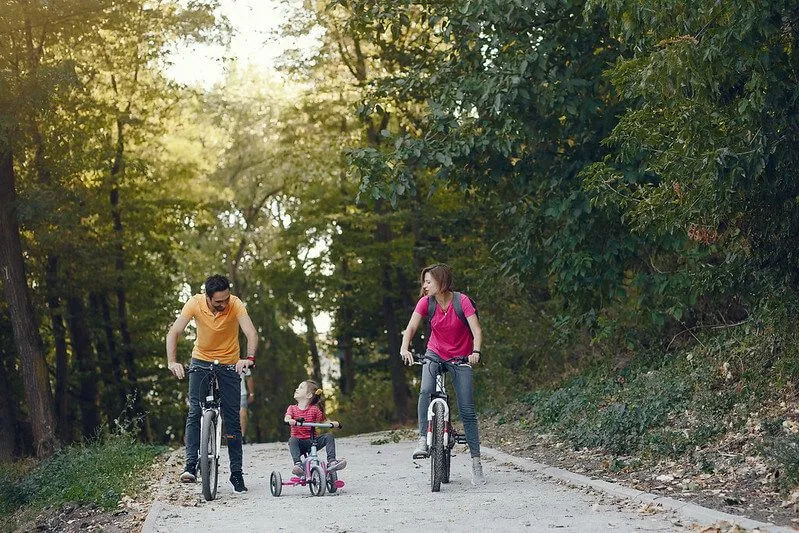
(316, 476)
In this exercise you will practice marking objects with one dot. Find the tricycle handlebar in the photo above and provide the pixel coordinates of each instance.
(301, 422)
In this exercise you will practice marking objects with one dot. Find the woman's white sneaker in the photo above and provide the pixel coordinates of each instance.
(421, 451)
(477, 472)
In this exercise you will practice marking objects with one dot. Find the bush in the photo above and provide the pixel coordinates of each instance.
(98, 473)
(784, 451)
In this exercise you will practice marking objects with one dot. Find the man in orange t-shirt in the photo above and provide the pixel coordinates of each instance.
(218, 316)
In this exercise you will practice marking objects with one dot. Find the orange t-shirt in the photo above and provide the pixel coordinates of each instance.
(217, 335)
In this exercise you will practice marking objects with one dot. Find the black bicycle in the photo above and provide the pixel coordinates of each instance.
(441, 436)
(210, 432)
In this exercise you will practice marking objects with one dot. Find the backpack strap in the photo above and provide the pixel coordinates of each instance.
(456, 304)
(431, 307)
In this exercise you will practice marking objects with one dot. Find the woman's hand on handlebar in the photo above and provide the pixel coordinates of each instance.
(407, 356)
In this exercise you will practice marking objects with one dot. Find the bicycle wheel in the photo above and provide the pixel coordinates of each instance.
(275, 483)
(317, 482)
(332, 477)
(437, 448)
(209, 465)
(447, 459)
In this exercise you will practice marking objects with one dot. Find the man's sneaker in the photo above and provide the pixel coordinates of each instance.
(421, 451)
(336, 464)
(238, 482)
(297, 470)
(188, 476)
(477, 472)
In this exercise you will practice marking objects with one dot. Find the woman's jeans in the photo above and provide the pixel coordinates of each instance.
(298, 447)
(229, 392)
(462, 381)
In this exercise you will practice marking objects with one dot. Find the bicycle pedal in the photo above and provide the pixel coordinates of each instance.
(460, 439)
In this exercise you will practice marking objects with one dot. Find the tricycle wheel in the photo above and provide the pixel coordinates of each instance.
(275, 483)
(317, 482)
(332, 477)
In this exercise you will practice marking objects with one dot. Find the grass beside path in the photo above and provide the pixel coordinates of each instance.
(97, 473)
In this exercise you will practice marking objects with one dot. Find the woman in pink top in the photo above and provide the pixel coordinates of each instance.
(450, 339)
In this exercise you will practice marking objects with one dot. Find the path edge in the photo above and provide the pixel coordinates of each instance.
(687, 510)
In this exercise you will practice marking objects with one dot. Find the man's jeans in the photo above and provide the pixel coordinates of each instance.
(462, 381)
(298, 447)
(229, 392)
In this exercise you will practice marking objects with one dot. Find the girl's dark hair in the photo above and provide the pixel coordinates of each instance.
(439, 272)
(316, 391)
(216, 283)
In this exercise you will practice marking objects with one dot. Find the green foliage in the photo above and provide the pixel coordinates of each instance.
(93, 473)
(664, 404)
(369, 407)
(784, 451)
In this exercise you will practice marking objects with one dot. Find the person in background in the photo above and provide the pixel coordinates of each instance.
(247, 397)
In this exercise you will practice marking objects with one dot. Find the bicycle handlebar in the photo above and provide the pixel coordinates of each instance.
(461, 361)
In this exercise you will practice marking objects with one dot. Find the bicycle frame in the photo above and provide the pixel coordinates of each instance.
(440, 451)
(212, 403)
(439, 397)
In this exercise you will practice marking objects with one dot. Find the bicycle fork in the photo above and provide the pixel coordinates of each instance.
(218, 440)
(430, 421)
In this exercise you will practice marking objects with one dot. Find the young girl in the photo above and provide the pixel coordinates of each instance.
(308, 395)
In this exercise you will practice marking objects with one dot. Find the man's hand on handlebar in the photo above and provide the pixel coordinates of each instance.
(176, 369)
(474, 358)
(243, 364)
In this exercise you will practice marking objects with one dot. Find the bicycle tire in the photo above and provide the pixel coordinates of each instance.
(447, 460)
(437, 448)
(317, 482)
(209, 463)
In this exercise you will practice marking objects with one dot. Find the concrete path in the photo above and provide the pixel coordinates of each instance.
(388, 491)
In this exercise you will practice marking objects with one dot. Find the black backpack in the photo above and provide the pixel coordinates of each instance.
(456, 304)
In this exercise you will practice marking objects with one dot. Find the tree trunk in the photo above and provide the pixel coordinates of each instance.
(52, 283)
(85, 365)
(128, 356)
(26, 334)
(7, 422)
(347, 381)
(310, 338)
(114, 399)
(401, 392)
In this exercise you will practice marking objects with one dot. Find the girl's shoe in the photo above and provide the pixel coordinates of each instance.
(336, 464)
(297, 470)
(477, 472)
